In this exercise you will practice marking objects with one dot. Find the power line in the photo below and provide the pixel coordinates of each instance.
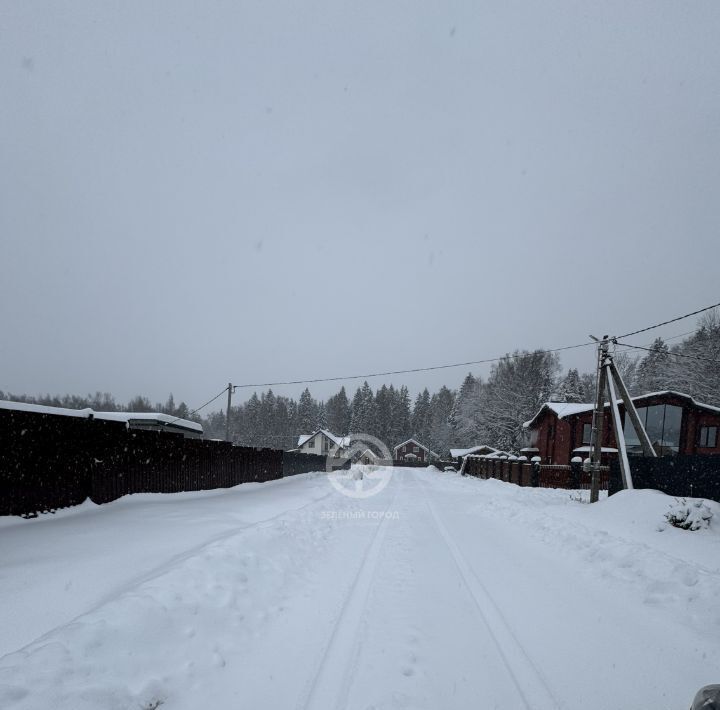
(202, 406)
(403, 372)
(461, 364)
(672, 320)
(668, 352)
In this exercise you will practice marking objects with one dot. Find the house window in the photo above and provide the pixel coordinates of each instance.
(587, 434)
(416, 449)
(311, 444)
(708, 437)
(662, 424)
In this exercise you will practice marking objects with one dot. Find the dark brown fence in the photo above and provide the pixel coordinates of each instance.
(424, 464)
(524, 473)
(295, 462)
(49, 461)
(683, 476)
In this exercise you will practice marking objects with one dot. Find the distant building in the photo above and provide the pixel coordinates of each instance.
(368, 457)
(153, 421)
(324, 443)
(675, 423)
(412, 450)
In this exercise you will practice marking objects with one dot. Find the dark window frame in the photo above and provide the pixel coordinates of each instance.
(704, 436)
(587, 426)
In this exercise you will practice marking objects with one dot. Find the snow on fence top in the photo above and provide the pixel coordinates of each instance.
(126, 417)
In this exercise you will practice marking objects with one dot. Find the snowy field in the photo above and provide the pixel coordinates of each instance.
(439, 592)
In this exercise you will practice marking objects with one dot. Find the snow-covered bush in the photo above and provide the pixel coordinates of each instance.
(694, 515)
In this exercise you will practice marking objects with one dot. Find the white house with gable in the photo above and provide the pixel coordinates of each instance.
(324, 443)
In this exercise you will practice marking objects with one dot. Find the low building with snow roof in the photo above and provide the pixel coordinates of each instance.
(675, 422)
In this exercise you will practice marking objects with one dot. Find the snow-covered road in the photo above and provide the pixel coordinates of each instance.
(438, 592)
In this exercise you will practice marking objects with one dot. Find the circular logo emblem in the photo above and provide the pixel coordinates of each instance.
(362, 469)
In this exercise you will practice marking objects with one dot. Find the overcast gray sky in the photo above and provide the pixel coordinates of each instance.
(199, 192)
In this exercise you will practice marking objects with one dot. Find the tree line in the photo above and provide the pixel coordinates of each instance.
(482, 411)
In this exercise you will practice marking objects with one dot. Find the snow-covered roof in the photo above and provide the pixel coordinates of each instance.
(88, 413)
(568, 409)
(368, 452)
(158, 417)
(44, 409)
(456, 453)
(415, 441)
(342, 441)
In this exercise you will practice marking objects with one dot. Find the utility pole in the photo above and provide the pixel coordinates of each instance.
(598, 421)
(607, 378)
(227, 415)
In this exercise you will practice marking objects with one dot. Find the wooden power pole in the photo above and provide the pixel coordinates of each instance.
(608, 378)
(227, 415)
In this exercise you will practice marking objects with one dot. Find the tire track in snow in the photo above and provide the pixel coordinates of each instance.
(527, 678)
(172, 562)
(329, 688)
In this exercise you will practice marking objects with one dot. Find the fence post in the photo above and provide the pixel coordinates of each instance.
(535, 476)
(575, 471)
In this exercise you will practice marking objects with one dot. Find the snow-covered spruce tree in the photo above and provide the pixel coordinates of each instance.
(362, 420)
(400, 420)
(338, 413)
(441, 408)
(383, 411)
(307, 413)
(421, 417)
(322, 420)
(464, 416)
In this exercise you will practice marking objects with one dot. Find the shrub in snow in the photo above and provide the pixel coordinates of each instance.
(694, 515)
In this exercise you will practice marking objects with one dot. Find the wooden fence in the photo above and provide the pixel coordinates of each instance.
(295, 462)
(420, 464)
(682, 476)
(524, 473)
(49, 461)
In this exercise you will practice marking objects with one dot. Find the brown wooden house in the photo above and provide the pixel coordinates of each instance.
(412, 450)
(675, 423)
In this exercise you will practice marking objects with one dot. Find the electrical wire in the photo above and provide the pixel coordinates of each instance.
(469, 362)
(672, 320)
(202, 406)
(403, 372)
(668, 352)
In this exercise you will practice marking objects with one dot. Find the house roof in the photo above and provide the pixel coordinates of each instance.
(88, 413)
(370, 452)
(456, 453)
(342, 441)
(166, 419)
(415, 441)
(568, 409)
